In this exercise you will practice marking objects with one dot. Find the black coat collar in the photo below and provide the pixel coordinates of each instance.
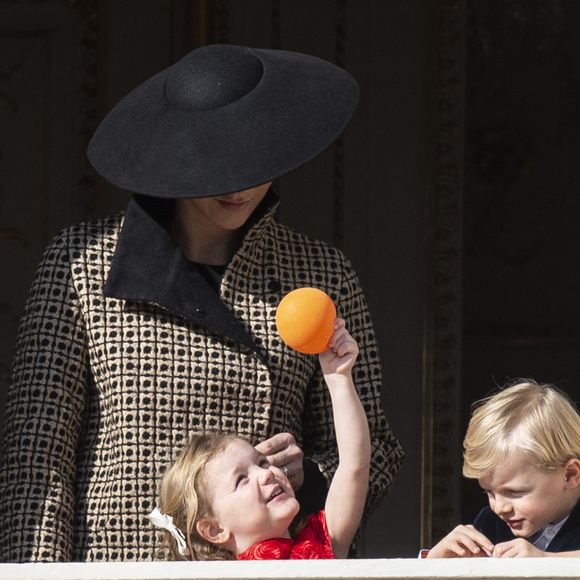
(568, 537)
(148, 266)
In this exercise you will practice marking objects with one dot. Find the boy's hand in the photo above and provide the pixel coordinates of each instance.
(462, 542)
(342, 351)
(518, 548)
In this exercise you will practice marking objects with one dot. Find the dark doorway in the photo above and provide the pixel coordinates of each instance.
(522, 200)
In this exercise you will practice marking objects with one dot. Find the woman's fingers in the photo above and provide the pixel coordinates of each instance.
(276, 444)
(283, 452)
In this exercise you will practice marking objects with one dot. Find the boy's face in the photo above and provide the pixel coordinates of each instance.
(527, 498)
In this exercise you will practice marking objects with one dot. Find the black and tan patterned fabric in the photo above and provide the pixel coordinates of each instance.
(108, 384)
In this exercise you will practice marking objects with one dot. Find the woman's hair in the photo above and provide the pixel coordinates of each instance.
(183, 496)
(536, 419)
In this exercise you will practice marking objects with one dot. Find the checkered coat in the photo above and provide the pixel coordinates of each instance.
(125, 349)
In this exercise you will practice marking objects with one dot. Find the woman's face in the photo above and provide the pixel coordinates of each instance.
(226, 212)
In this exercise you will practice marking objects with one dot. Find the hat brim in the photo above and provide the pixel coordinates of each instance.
(297, 110)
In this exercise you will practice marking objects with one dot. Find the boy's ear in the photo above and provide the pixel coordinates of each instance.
(210, 530)
(572, 473)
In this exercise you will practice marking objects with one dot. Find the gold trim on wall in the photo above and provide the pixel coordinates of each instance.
(427, 422)
(441, 452)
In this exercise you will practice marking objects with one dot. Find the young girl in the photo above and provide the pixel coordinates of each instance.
(222, 499)
(523, 446)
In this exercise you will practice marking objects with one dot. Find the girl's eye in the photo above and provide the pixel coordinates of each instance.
(240, 480)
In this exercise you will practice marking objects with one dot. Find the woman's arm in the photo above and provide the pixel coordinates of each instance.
(41, 427)
(347, 493)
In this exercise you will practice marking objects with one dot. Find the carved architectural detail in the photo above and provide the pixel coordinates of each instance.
(441, 445)
(276, 24)
(38, 39)
(338, 189)
(87, 100)
(222, 21)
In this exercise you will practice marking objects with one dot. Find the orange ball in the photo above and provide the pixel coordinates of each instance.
(305, 320)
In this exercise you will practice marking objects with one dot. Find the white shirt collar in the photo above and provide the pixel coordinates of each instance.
(548, 534)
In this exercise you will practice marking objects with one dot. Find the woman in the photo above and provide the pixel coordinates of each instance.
(143, 327)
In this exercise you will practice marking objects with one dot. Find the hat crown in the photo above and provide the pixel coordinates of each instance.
(211, 77)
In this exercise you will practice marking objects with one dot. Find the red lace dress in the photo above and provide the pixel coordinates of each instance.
(312, 543)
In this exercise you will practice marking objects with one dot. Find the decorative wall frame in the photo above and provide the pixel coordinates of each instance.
(441, 470)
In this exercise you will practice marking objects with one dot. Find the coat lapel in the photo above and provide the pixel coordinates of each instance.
(148, 266)
(568, 538)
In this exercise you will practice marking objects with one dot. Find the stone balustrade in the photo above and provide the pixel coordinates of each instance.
(376, 569)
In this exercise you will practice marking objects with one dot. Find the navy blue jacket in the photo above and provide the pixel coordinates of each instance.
(497, 531)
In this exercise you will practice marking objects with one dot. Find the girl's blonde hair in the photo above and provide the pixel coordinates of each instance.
(183, 496)
(536, 419)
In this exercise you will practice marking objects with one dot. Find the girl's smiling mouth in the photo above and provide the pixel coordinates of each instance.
(277, 492)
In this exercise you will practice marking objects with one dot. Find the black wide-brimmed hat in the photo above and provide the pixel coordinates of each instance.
(222, 119)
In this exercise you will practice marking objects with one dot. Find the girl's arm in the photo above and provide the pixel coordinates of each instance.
(347, 494)
(319, 443)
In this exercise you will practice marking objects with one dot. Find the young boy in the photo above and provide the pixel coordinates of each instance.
(523, 446)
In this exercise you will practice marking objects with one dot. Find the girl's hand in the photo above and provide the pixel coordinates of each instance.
(462, 542)
(342, 351)
(348, 489)
(282, 451)
(518, 548)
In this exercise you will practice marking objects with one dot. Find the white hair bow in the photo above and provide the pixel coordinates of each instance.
(165, 522)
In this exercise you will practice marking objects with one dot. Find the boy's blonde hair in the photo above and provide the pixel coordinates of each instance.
(183, 496)
(536, 419)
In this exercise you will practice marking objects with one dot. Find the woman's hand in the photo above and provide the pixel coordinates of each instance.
(282, 451)
(462, 542)
(342, 351)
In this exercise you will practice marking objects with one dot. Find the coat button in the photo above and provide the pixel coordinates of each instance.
(199, 311)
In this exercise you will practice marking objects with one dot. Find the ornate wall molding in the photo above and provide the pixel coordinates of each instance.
(48, 86)
(86, 121)
(338, 185)
(276, 24)
(442, 355)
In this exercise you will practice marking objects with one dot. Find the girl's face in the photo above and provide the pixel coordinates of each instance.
(225, 212)
(251, 500)
(526, 498)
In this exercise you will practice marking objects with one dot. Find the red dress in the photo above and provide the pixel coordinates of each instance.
(312, 543)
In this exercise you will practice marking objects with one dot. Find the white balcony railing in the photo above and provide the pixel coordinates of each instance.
(376, 569)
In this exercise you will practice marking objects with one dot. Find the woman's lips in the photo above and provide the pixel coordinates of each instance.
(232, 205)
